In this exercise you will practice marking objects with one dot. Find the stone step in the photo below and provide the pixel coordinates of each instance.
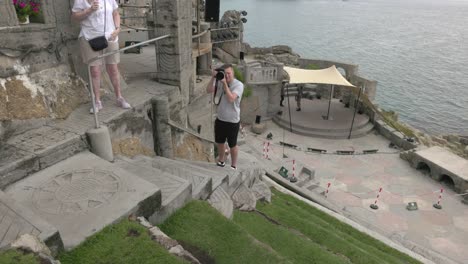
(176, 191)
(35, 150)
(203, 181)
(248, 169)
(81, 195)
(358, 132)
(16, 220)
(222, 202)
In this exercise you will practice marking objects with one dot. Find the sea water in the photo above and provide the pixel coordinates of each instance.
(417, 50)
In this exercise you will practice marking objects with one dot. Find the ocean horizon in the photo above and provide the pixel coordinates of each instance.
(416, 50)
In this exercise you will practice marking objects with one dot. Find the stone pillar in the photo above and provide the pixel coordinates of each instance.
(274, 96)
(7, 14)
(204, 61)
(371, 89)
(162, 135)
(174, 54)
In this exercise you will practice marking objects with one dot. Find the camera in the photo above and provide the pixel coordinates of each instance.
(220, 74)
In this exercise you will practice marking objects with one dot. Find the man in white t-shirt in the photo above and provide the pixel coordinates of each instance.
(229, 91)
(98, 18)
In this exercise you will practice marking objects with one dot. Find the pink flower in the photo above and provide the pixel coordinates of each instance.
(15, 1)
(35, 9)
(22, 5)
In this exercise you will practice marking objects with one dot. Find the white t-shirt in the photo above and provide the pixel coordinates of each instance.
(227, 111)
(93, 25)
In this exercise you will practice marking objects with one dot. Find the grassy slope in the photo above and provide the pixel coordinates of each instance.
(329, 232)
(285, 231)
(198, 224)
(295, 233)
(125, 242)
(15, 257)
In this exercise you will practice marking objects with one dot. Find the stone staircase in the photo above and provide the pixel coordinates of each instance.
(53, 187)
(82, 194)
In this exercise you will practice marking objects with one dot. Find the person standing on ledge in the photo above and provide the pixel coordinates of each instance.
(299, 95)
(229, 91)
(95, 17)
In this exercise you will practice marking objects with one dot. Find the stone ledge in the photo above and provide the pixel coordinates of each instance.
(25, 221)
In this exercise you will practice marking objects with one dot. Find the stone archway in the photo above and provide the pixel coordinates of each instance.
(424, 168)
(447, 181)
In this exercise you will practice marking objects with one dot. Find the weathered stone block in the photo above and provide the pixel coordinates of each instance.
(259, 128)
(439, 140)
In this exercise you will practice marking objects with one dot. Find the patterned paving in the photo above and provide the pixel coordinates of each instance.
(13, 225)
(356, 179)
(222, 202)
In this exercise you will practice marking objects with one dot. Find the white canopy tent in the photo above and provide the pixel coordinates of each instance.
(324, 76)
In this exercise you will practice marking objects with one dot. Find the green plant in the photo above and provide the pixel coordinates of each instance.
(313, 66)
(247, 91)
(26, 8)
(239, 76)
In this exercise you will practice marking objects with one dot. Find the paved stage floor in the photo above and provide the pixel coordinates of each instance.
(356, 179)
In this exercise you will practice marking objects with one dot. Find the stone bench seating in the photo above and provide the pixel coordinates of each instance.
(316, 150)
(288, 145)
(345, 152)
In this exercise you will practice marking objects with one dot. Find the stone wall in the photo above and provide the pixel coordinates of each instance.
(38, 79)
(393, 135)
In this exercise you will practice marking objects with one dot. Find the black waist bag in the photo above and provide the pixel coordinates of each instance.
(98, 43)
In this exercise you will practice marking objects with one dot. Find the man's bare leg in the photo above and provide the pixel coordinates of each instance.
(234, 154)
(221, 152)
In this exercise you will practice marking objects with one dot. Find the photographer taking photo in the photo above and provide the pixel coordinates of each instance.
(229, 91)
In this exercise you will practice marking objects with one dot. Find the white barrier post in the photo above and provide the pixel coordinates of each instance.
(437, 205)
(293, 178)
(264, 149)
(328, 187)
(374, 205)
(268, 148)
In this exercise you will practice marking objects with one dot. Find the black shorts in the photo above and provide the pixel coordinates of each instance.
(226, 131)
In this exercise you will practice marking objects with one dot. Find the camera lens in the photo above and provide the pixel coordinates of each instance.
(219, 75)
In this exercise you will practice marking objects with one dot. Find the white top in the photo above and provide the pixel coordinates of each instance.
(227, 111)
(93, 25)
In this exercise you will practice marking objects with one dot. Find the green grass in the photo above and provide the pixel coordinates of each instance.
(333, 235)
(284, 231)
(17, 257)
(215, 237)
(125, 242)
(289, 231)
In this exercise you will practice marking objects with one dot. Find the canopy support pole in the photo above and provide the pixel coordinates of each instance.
(329, 102)
(355, 110)
(289, 109)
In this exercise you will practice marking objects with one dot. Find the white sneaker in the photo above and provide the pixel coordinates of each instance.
(98, 107)
(122, 103)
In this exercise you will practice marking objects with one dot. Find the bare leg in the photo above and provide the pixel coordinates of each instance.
(234, 154)
(96, 79)
(113, 72)
(221, 152)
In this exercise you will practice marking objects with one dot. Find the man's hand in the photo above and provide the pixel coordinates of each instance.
(225, 84)
(114, 34)
(94, 6)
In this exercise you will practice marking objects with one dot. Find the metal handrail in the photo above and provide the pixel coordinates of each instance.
(96, 121)
(200, 34)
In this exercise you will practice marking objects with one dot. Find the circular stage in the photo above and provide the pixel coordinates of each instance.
(312, 119)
